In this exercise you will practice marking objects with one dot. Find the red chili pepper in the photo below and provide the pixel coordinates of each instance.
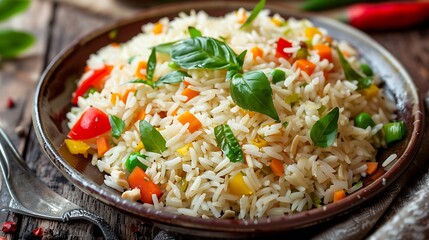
(92, 123)
(385, 16)
(8, 227)
(38, 232)
(96, 80)
(281, 45)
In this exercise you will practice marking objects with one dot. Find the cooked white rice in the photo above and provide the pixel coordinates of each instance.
(309, 171)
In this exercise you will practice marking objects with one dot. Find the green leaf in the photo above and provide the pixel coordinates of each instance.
(9, 8)
(172, 77)
(228, 143)
(117, 126)
(133, 161)
(151, 65)
(165, 47)
(258, 8)
(351, 74)
(278, 75)
(194, 32)
(151, 138)
(205, 53)
(252, 91)
(12, 42)
(240, 59)
(324, 132)
(366, 69)
(147, 82)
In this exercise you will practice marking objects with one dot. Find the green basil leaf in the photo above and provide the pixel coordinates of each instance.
(203, 52)
(151, 138)
(165, 47)
(147, 82)
(324, 131)
(228, 143)
(252, 91)
(12, 42)
(194, 32)
(351, 74)
(117, 125)
(9, 8)
(240, 60)
(278, 75)
(172, 77)
(151, 65)
(258, 8)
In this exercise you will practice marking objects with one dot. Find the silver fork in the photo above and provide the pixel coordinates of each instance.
(22, 192)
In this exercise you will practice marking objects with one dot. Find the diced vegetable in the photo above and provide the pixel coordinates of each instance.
(102, 145)
(237, 185)
(371, 167)
(259, 141)
(141, 70)
(141, 114)
(183, 184)
(285, 124)
(324, 131)
(184, 150)
(96, 80)
(394, 131)
(278, 75)
(306, 66)
(292, 98)
(157, 28)
(317, 202)
(92, 123)
(301, 53)
(117, 125)
(324, 51)
(277, 167)
(371, 91)
(139, 179)
(152, 139)
(281, 45)
(133, 161)
(364, 120)
(228, 143)
(276, 22)
(194, 123)
(311, 31)
(139, 147)
(257, 52)
(190, 93)
(366, 69)
(77, 147)
(114, 97)
(338, 195)
(124, 96)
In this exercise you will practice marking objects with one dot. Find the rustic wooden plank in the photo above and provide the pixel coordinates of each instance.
(18, 78)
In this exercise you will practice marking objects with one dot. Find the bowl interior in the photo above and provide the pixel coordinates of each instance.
(54, 92)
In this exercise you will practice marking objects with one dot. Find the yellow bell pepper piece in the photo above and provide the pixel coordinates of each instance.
(293, 98)
(184, 150)
(139, 147)
(237, 185)
(259, 141)
(311, 31)
(371, 91)
(77, 147)
(276, 22)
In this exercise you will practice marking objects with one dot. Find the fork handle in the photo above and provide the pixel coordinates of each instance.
(83, 214)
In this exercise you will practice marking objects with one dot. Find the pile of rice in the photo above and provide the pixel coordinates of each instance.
(310, 172)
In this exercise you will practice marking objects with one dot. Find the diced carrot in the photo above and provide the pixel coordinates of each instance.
(140, 115)
(328, 40)
(141, 66)
(102, 145)
(87, 69)
(194, 123)
(186, 83)
(174, 112)
(257, 52)
(162, 114)
(113, 97)
(127, 92)
(338, 195)
(326, 74)
(241, 16)
(311, 31)
(115, 44)
(324, 51)
(277, 167)
(139, 179)
(190, 93)
(371, 167)
(157, 28)
(305, 66)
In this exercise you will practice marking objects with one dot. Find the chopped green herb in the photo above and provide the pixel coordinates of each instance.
(258, 8)
(317, 202)
(366, 70)
(165, 47)
(173, 65)
(278, 75)
(228, 143)
(194, 32)
(351, 74)
(151, 65)
(172, 77)
(117, 126)
(321, 109)
(324, 131)
(131, 59)
(152, 140)
(285, 124)
(292, 98)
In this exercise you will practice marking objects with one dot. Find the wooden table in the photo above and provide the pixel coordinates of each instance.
(56, 25)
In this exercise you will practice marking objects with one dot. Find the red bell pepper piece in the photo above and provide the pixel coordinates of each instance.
(96, 80)
(282, 44)
(92, 123)
(139, 179)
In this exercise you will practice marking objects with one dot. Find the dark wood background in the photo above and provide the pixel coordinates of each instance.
(57, 24)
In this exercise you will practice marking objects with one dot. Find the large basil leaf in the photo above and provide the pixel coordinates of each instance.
(258, 8)
(228, 143)
(151, 138)
(9, 8)
(324, 131)
(252, 91)
(203, 52)
(117, 126)
(151, 65)
(172, 77)
(351, 74)
(12, 42)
